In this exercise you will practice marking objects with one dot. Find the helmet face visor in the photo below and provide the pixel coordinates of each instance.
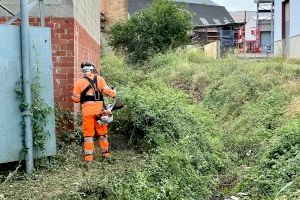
(88, 69)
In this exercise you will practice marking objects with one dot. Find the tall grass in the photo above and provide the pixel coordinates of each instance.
(184, 109)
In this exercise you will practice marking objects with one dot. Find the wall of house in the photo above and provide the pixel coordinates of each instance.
(293, 49)
(63, 59)
(87, 14)
(251, 27)
(294, 18)
(277, 21)
(278, 51)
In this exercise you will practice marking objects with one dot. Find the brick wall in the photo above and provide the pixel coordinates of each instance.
(62, 35)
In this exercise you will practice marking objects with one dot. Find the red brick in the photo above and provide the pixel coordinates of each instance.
(66, 47)
(65, 36)
(67, 25)
(58, 30)
(70, 53)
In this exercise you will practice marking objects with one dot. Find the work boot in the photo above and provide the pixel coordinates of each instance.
(105, 154)
(89, 158)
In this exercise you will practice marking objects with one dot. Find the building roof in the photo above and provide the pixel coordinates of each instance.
(205, 12)
(239, 16)
(136, 5)
(207, 15)
(205, 2)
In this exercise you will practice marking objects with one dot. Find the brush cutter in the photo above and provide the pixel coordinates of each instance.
(106, 117)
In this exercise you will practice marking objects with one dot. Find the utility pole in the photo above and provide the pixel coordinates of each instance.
(26, 84)
(42, 13)
(245, 42)
(272, 26)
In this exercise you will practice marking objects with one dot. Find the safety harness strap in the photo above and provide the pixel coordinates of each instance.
(93, 84)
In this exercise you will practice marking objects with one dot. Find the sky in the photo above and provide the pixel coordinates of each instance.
(237, 5)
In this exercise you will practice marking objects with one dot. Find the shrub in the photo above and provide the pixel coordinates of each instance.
(160, 27)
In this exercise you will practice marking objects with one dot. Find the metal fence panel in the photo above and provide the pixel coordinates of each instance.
(11, 133)
(10, 116)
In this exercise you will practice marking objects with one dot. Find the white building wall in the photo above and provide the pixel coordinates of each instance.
(87, 14)
(295, 18)
(277, 21)
(291, 46)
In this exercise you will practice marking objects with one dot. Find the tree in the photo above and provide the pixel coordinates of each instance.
(156, 29)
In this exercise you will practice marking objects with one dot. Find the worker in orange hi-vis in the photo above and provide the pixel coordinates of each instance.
(89, 91)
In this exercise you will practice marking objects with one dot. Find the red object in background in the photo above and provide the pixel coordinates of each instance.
(249, 46)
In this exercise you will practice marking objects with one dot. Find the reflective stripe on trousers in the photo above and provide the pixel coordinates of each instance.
(103, 143)
(88, 146)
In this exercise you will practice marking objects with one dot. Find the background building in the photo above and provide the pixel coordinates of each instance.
(256, 34)
(287, 28)
(75, 34)
(211, 21)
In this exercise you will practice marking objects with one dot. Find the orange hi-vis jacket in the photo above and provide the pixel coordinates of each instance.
(91, 107)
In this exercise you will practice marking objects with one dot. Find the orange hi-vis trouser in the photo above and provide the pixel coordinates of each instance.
(92, 128)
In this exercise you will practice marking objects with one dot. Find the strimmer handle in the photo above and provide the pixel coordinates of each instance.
(114, 100)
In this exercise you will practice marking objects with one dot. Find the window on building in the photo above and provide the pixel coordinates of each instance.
(204, 21)
(217, 21)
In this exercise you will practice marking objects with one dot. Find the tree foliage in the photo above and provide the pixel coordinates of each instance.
(156, 29)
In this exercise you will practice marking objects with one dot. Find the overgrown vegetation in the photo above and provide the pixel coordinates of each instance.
(184, 154)
(201, 129)
(156, 29)
(250, 107)
(277, 174)
(39, 111)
